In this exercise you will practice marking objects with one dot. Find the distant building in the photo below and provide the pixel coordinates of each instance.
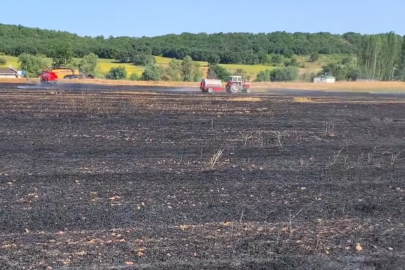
(324, 79)
(8, 73)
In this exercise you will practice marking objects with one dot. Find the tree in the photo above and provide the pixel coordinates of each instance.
(3, 61)
(276, 59)
(347, 60)
(263, 57)
(218, 72)
(294, 62)
(284, 74)
(352, 73)
(263, 76)
(187, 68)
(62, 55)
(288, 52)
(401, 63)
(117, 73)
(88, 64)
(213, 59)
(211, 74)
(197, 73)
(214, 48)
(143, 60)
(31, 64)
(314, 57)
(368, 56)
(339, 71)
(377, 52)
(173, 71)
(349, 72)
(152, 72)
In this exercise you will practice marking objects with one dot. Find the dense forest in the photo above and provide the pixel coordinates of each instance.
(379, 57)
(243, 48)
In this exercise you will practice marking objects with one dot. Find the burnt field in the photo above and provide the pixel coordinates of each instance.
(144, 180)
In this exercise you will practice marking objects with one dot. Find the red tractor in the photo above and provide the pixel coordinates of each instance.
(48, 77)
(236, 84)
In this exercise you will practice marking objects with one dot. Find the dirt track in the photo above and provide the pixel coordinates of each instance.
(109, 180)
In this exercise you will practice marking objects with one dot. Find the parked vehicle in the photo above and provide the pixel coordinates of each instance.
(52, 76)
(63, 72)
(81, 76)
(48, 77)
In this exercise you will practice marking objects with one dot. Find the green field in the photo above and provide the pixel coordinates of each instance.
(104, 65)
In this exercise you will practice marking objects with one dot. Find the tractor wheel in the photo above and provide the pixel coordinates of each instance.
(210, 90)
(234, 88)
(246, 90)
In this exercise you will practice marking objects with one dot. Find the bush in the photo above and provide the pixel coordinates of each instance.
(3, 61)
(276, 59)
(314, 57)
(288, 53)
(217, 72)
(278, 75)
(263, 76)
(143, 60)
(117, 73)
(284, 74)
(152, 73)
(347, 60)
(294, 62)
(88, 64)
(33, 65)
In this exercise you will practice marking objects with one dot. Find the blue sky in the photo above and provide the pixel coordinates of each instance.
(158, 17)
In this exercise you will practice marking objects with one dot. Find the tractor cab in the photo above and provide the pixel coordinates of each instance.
(237, 79)
(236, 84)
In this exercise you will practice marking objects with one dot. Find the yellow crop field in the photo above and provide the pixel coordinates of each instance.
(250, 69)
(165, 61)
(104, 66)
(11, 60)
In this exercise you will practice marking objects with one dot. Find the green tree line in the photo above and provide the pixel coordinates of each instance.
(378, 57)
(243, 48)
(185, 70)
